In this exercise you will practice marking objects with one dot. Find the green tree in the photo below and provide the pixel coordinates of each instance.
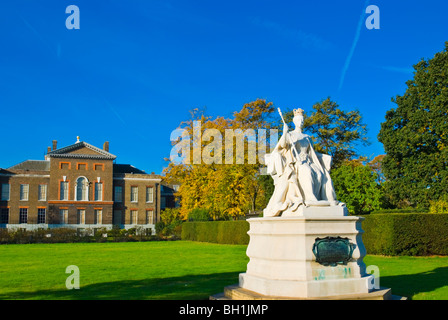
(356, 185)
(415, 136)
(334, 131)
(170, 215)
(170, 224)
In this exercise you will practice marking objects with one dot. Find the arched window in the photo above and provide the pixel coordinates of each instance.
(82, 189)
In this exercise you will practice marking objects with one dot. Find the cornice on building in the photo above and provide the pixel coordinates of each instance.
(65, 152)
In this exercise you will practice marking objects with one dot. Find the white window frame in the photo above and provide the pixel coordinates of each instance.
(134, 195)
(98, 216)
(98, 191)
(42, 192)
(64, 215)
(24, 192)
(85, 190)
(150, 195)
(149, 216)
(81, 216)
(133, 216)
(63, 192)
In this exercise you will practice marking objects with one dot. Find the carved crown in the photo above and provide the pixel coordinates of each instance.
(298, 112)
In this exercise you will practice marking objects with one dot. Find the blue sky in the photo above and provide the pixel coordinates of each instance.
(134, 69)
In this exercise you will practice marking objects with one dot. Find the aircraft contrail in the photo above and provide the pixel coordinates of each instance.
(355, 42)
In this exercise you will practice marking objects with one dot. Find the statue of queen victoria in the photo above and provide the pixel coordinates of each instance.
(301, 175)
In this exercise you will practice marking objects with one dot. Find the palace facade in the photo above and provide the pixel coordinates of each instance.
(78, 186)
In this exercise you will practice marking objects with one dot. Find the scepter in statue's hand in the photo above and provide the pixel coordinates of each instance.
(285, 126)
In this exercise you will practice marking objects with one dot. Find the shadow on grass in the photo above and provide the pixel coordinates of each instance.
(200, 287)
(190, 287)
(411, 284)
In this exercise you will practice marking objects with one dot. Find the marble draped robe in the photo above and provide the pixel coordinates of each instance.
(289, 194)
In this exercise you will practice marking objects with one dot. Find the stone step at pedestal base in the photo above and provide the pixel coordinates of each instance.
(235, 292)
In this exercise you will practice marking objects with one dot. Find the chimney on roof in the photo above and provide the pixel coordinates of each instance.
(55, 144)
(106, 146)
(48, 149)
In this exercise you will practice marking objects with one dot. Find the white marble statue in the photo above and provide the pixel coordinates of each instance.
(301, 175)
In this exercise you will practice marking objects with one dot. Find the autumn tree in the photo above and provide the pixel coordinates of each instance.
(227, 188)
(376, 164)
(415, 136)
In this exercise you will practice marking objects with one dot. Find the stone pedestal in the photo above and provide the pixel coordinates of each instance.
(282, 262)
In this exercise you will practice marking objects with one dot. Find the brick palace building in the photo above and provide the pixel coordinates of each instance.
(78, 186)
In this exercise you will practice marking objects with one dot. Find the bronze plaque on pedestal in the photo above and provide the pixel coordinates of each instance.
(331, 251)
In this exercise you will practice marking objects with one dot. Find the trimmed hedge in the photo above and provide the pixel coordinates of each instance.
(406, 210)
(413, 234)
(69, 235)
(224, 232)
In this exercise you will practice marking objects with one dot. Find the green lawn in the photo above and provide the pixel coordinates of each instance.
(172, 270)
(133, 270)
(418, 278)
